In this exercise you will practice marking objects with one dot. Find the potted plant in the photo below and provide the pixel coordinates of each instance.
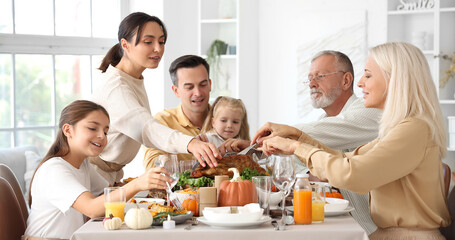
(450, 72)
(216, 49)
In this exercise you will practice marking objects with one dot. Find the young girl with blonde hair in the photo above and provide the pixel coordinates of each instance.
(226, 119)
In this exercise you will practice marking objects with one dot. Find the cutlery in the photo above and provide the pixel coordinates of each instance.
(193, 223)
(173, 198)
(195, 166)
(250, 149)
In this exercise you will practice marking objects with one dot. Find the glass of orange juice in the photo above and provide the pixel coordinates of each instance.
(115, 201)
(318, 203)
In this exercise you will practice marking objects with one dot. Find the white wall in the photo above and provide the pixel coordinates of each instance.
(282, 27)
(286, 25)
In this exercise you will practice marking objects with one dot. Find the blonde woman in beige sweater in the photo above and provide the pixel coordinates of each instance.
(402, 169)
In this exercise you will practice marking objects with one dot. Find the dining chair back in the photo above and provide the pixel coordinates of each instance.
(449, 231)
(7, 173)
(12, 224)
(447, 173)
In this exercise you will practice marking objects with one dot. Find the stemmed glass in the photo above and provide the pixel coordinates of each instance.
(283, 177)
(170, 162)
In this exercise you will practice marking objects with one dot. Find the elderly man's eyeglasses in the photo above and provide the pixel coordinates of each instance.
(319, 77)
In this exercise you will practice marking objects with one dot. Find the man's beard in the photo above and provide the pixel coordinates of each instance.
(324, 101)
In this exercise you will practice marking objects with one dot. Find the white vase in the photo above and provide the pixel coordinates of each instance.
(226, 8)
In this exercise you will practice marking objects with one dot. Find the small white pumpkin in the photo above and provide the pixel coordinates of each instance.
(138, 218)
(112, 223)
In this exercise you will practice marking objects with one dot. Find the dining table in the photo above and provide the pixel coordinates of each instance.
(342, 227)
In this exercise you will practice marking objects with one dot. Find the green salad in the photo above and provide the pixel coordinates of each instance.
(185, 179)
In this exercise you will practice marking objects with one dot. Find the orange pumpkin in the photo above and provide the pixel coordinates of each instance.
(236, 192)
(191, 205)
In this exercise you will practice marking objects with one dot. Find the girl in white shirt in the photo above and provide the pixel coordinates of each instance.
(227, 119)
(122, 93)
(65, 187)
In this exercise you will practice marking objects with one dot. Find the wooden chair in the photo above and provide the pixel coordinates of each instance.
(8, 175)
(12, 224)
(447, 177)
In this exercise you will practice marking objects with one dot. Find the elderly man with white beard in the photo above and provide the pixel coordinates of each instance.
(346, 123)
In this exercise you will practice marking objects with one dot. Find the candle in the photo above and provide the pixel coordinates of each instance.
(169, 223)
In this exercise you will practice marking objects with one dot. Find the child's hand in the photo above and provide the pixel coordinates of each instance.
(233, 145)
(153, 178)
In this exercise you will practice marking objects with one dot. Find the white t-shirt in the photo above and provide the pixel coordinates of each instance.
(57, 184)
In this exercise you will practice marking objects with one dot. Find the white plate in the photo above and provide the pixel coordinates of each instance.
(262, 220)
(327, 213)
(336, 213)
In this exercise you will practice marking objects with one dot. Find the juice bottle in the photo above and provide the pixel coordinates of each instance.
(302, 200)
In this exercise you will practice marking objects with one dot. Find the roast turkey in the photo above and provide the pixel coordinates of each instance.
(236, 161)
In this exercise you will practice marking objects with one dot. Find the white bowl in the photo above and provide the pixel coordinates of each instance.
(335, 204)
(275, 199)
(246, 214)
(183, 196)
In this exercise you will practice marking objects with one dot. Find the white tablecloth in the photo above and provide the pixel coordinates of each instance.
(340, 227)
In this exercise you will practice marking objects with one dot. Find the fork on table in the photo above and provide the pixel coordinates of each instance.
(173, 198)
(193, 222)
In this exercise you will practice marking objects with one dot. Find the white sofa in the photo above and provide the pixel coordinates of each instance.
(16, 160)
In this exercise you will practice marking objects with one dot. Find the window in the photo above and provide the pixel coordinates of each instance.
(49, 52)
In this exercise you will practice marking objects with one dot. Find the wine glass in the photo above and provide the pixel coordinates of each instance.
(283, 177)
(170, 162)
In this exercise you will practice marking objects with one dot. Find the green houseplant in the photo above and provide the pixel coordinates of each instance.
(216, 49)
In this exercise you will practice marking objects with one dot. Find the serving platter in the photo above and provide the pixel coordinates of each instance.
(178, 219)
(145, 204)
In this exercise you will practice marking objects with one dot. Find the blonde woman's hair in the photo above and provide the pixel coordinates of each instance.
(232, 103)
(411, 90)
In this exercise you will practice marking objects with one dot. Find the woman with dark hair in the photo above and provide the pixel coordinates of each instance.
(65, 187)
(141, 45)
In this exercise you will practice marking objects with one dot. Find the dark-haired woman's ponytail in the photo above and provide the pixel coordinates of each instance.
(112, 57)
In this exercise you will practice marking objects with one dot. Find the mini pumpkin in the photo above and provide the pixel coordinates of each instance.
(138, 218)
(191, 205)
(236, 192)
(112, 223)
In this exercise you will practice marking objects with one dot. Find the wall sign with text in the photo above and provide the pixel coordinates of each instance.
(409, 5)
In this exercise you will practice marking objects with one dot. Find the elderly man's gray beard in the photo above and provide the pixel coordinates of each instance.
(324, 101)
